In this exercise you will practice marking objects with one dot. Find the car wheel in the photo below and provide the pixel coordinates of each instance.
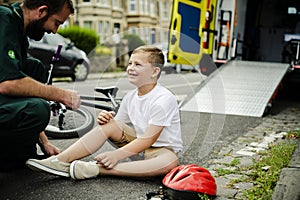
(81, 71)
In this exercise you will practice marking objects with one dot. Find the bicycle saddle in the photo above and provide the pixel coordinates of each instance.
(112, 90)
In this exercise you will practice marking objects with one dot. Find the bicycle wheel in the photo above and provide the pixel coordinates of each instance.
(76, 123)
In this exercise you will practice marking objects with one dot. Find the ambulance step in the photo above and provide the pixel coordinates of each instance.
(238, 88)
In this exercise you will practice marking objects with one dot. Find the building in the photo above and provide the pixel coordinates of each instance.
(147, 18)
(110, 18)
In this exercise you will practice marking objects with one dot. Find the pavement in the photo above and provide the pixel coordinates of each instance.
(246, 147)
(241, 137)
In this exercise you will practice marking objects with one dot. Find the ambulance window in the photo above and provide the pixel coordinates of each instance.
(189, 32)
(197, 1)
(292, 10)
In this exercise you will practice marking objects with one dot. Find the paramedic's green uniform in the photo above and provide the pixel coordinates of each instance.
(21, 118)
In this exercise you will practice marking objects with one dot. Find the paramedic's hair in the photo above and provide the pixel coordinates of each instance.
(54, 6)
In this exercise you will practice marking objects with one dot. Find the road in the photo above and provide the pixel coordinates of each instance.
(203, 134)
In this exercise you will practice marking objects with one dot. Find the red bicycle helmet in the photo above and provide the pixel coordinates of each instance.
(189, 182)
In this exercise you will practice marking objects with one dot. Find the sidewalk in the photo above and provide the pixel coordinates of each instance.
(246, 147)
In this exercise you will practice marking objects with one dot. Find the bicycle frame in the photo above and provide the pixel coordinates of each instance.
(62, 129)
(55, 58)
(110, 93)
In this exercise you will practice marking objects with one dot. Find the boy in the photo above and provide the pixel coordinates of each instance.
(156, 136)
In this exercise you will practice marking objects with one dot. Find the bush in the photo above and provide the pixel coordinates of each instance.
(83, 38)
(102, 50)
(134, 41)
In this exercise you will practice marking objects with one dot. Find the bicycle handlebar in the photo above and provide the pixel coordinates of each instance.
(55, 58)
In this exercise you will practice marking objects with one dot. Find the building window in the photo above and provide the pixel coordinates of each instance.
(144, 7)
(132, 6)
(106, 30)
(132, 30)
(88, 24)
(105, 2)
(153, 36)
(86, 1)
(100, 30)
(165, 9)
(152, 8)
(144, 34)
(116, 4)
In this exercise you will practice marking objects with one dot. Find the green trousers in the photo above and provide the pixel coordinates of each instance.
(21, 121)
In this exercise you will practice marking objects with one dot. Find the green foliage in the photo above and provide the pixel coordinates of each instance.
(134, 41)
(102, 50)
(265, 170)
(277, 157)
(83, 38)
(223, 172)
(233, 163)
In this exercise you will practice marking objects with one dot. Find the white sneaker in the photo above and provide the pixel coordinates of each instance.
(51, 165)
(82, 170)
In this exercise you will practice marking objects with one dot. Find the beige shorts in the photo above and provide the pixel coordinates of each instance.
(129, 135)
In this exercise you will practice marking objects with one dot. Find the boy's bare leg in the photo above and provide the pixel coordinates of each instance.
(91, 142)
(156, 166)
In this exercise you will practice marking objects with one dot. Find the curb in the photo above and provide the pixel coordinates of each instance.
(287, 187)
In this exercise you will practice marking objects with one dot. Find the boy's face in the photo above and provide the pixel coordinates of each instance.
(140, 71)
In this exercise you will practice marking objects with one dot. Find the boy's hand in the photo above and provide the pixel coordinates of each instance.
(107, 159)
(105, 116)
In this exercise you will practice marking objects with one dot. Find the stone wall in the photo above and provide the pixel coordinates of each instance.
(105, 63)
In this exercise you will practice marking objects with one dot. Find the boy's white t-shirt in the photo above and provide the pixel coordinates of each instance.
(158, 107)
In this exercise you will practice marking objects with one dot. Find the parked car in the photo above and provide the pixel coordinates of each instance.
(73, 62)
(170, 67)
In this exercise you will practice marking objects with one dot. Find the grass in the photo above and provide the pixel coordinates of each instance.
(264, 172)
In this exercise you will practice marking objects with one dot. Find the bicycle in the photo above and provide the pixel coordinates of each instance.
(67, 123)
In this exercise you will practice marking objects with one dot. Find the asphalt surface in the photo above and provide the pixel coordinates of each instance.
(208, 139)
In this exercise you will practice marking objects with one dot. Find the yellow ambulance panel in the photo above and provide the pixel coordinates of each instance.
(185, 45)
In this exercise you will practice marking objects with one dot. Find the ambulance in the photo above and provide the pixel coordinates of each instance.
(244, 47)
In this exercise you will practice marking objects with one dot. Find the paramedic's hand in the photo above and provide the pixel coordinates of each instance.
(71, 99)
(108, 159)
(50, 149)
(46, 147)
(105, 116)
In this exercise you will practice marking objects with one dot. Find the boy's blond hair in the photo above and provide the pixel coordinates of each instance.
(156, 57)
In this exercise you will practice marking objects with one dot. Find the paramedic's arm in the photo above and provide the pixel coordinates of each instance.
(28, 87)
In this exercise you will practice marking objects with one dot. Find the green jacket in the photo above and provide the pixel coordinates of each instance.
(14, 44)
